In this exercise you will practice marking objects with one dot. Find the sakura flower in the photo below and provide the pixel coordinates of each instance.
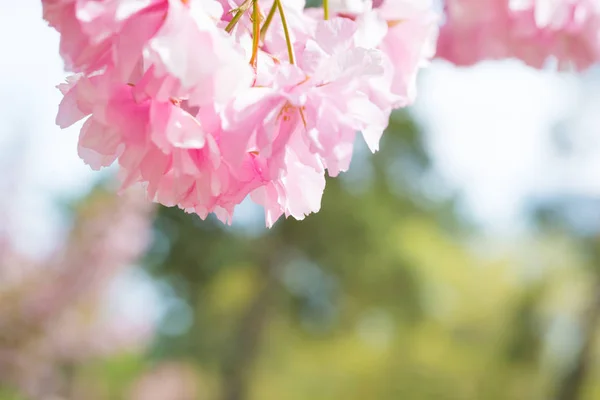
(405, 30)
(178, 52)
(565, 29)
(306, 120)
(173, 36)
(297, 190)
(534, 31)
(475, 30)
(410, 41)
(160, 144)
(328, 95)
(99, 34)
(206, 102)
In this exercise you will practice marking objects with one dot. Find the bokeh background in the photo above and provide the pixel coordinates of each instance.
(462, 261)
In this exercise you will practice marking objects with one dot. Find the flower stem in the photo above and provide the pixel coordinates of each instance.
(263, 30)
(255, 32)
(240, 11)
(326, 9)
(286, 31)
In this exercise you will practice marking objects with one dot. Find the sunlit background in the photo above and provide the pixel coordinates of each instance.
(460, 262)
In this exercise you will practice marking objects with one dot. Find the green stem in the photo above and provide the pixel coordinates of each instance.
(263, 30)
(286, 31)
(240, 11)
(326, 9)
(255, 32)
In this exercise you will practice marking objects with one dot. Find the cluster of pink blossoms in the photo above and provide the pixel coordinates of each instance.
(534, 31)
(205, 102)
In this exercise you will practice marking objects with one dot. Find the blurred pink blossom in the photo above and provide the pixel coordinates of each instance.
(534, 31)
(51, 316)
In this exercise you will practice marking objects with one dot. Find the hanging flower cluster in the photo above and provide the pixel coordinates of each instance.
(205, 102)
(534, 31)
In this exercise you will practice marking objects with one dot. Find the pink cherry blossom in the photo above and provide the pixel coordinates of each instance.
(410, 41)
(161, 144)
(474, 30)
(405, 30)
(534, 31)
(207, 102)
(307, 119)
(297, 189)
(97, 34)
(178, 54)
(566, 30)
